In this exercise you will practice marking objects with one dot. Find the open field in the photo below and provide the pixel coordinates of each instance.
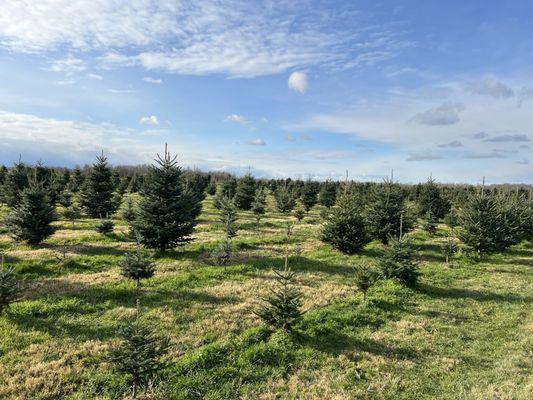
(465, 331)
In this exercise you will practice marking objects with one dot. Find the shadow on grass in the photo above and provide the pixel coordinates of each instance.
(457, 293)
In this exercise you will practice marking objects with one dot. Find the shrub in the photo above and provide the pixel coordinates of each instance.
(299, 214)
(105, 226)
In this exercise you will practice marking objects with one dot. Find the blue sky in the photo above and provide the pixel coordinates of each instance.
(288, 88)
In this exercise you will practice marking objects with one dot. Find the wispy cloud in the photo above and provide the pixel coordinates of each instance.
(509, 137)
(481, 156)
(95, 77)
(492, 88)
(155, 81)
(256, 142)
(236, 118)
(68, 65)
(445, 114)
(424, 157)
(149, 120)
(452, 144)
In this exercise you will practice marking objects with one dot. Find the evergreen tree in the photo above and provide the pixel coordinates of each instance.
(221, 255)
(299, 213)
(386, 212)
(480, 224)
(228, 216)
(282, 309)
(9, 286)
(328, 194)
(211, 188)
(141, 353)
(65, 198)
(15, 182)
(285, 200)
(135, 266)
(309, 195)
(30, 221)
(167, 211)
(128, 212)
(365, 277)
(430, 198)
(245, 192)
(449, 248)
(259, 204)
(105, 226)
(345, 227)
(97, 194)
(398, 262)
(452, 218)
(76, 180)
(72, 213)
(429, 224)
(225, 189)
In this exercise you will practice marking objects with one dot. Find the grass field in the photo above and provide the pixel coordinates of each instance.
(465, 332)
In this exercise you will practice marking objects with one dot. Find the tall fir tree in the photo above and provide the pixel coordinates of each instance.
(285, 200)
(30, 220)
(167, 211)
(386, 211)
(328, 194)
(429, 223)
(345, 227)
(15, 182)
(141, 353)
(309, 195)
(97, 194)
(226, 188)
(430, 197)
(259, 204)
(76, 180)
(245, 192)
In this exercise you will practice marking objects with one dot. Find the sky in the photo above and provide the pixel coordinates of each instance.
(303, 89)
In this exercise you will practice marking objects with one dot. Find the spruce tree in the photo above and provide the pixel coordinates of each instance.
(429, 224)
(9, 286)
(430, 197)
(228, 216)
(245, 192)
(449, 248)
(225, 189)
(141, 353)
(128, 212)
(97, 193)
(282, 309)
(299, 213)
(76, 180)
(309, 195)
(452, 218)
(167, 211)
(386, 211)
(365, 277)
(104, 226)
(135, 266)
(30, 220)
(285, 200)
(398, 262)
(15, 182)
(259, 204)
(328, 194)
(345, 227)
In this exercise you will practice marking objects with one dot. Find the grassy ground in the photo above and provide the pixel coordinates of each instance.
(464, 333)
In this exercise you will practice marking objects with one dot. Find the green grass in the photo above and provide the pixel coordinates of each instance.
(463, 333)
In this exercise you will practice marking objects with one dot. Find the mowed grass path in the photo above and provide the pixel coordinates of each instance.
(465, 332)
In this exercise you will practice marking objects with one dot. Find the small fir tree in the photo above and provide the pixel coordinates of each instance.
(65, 198)
(285, 200)
(30, 221)
(228, 216)
(449, 248)
(430, 197)
(365, 277)
(345, 227)
(245, 192)
(398, 262)
(97, 194)
(128, 212)
(15, 182)
(221, 255)
(211, 188)
(259, 205)
(429, 224)
(167, 211)
(72, 213)
(225, 189)
(282, 309)
(328, 194)
(452, 218)
(76, 180)
(104, 226)
(309, 195)
(386, 211)
(141, 353)
(299, 213)
(135, 266)
(9, 286)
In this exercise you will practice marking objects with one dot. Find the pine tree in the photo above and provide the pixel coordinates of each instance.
(221, 255)
(97, 193)
(431, 198)
(398, 262)
(259, 204)
(245, 192)
(328, 194)
(480, 224)
(72, 213)
(309, 195)
(30, 221)
(225, 189)
(105, 226)
(449, 248)
(9, 286)
(429, 224)
(365, 277)
(135, 266)
(345, 227)
(452, 218)
(65, 198)
(285, 200)
(76, 180)
(128, 213)
(167, 212)
(282, 309)
(141, 353)
(386, 211)
(228, 216)
(15, 182)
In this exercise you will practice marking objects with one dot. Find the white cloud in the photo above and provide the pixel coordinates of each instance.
(492, 88)
(256, 142)
(234, 38)
(298, 82)
(95, 77)
(68, 65)
(155, 81)
(122, 91)
(445, 114)
(236, 118)
(149, 120)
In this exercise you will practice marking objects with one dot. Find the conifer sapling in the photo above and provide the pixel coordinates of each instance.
(9, 286)
(365, 277)
(398, 262)
(135, 266)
